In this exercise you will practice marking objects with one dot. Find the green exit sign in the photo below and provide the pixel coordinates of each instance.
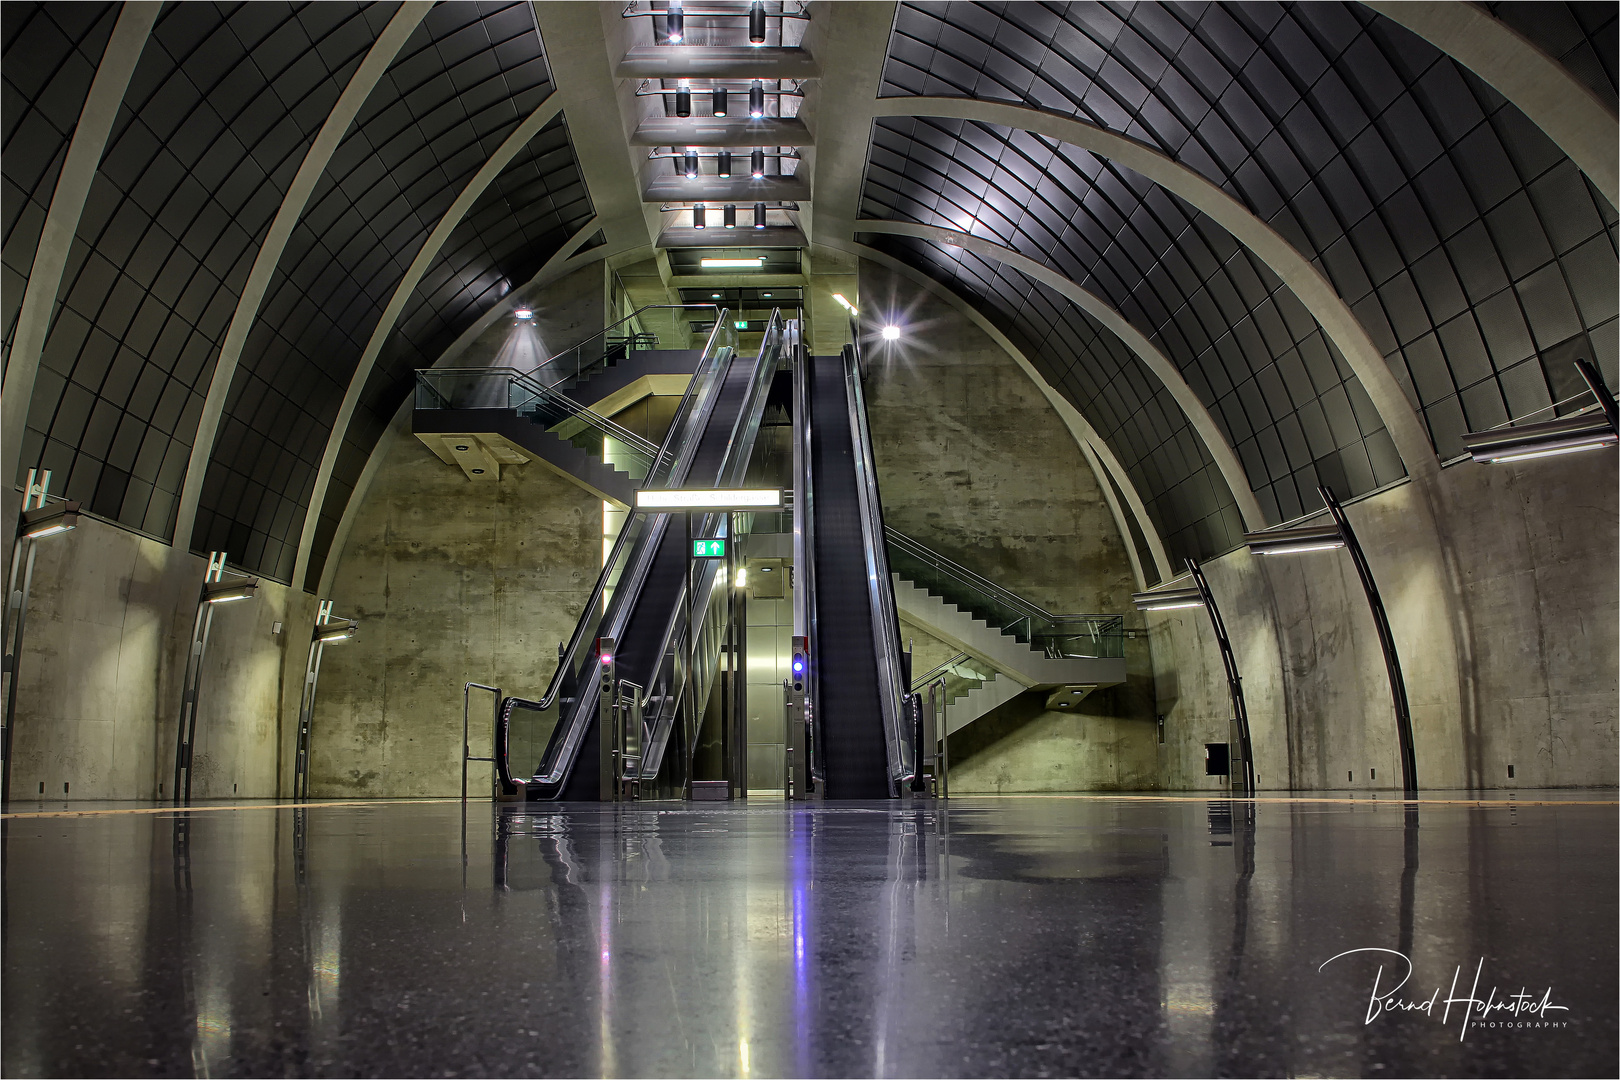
(709, 549)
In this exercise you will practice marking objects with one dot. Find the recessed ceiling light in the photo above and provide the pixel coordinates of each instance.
(732, 264)
(766, 295)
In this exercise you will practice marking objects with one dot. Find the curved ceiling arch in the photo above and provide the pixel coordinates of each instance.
(378, 59)
(520, 137)
(1098, 454)
(43, 266)
(1573, 116)
(1197, 415)
(1302, 278)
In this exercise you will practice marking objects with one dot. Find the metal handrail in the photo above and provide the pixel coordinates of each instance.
(939, 671)
(571, 651)
(603, 333)
(880, 586)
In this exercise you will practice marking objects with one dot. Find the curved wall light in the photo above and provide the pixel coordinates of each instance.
(1566, 435)
(1340, 535)
(328, 631)
(37, 522)
(215, 591)
(1200, 596)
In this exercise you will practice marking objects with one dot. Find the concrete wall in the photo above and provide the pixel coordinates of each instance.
(98, 697)
(1508, 648)
(973, 462)
(453, 582)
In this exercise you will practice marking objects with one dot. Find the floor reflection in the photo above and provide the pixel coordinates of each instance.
(1007, 936)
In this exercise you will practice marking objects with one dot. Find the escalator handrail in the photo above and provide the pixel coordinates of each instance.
(582, 628)
(734, 464)
(892, 688)
(804, 543)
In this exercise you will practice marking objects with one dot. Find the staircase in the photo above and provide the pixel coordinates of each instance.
(1006, 644)
(484, 419)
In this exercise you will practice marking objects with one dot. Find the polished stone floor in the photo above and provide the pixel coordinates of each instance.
(1016, 936)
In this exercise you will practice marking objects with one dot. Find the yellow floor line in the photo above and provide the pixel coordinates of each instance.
(241, 806)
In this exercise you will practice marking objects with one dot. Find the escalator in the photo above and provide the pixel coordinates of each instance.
(855, 687)
(641, 600)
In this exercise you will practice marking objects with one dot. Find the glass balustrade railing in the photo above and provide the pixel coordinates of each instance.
(1083, 635)
(543, 736)
(962, 673)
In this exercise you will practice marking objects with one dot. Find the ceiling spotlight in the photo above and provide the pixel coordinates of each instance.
(759, 215)
(724, 166)
(683, 102)
(714, 296)
(1167, 599)
(674, 24)
(891, 333)
(756, 23)
(689, 163)
(756, 100)
(719, 101)
(523, 313)
(732, 264)
(699, 217)
(756, 164)
(728, 216)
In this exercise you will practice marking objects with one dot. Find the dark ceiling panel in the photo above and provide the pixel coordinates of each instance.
(1581, 36)
(463, 82)
(1455, 230)
(523, 218)
(1246, 346)
(217, 117)
(50, 56)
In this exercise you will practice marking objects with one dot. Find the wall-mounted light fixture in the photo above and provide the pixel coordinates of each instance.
(759, 215)
(1241, 773)
(723, 163)
(674, 24)
(719, 99)
(215, 591)
(756, 100)
(845, 304)
(700, 217)
(523, 313)
(756, 23)
(328, 631)
(683, 101)
(1565, 435)
(1339, 534)
(689, 163)
(728, 216)
(38, 521)
(756, 164)
(891, 333)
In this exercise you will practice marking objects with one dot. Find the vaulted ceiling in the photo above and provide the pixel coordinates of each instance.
(1259, 247)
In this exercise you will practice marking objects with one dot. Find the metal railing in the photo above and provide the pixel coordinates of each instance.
(626, 567)
(961, 675)
(1072, 635)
